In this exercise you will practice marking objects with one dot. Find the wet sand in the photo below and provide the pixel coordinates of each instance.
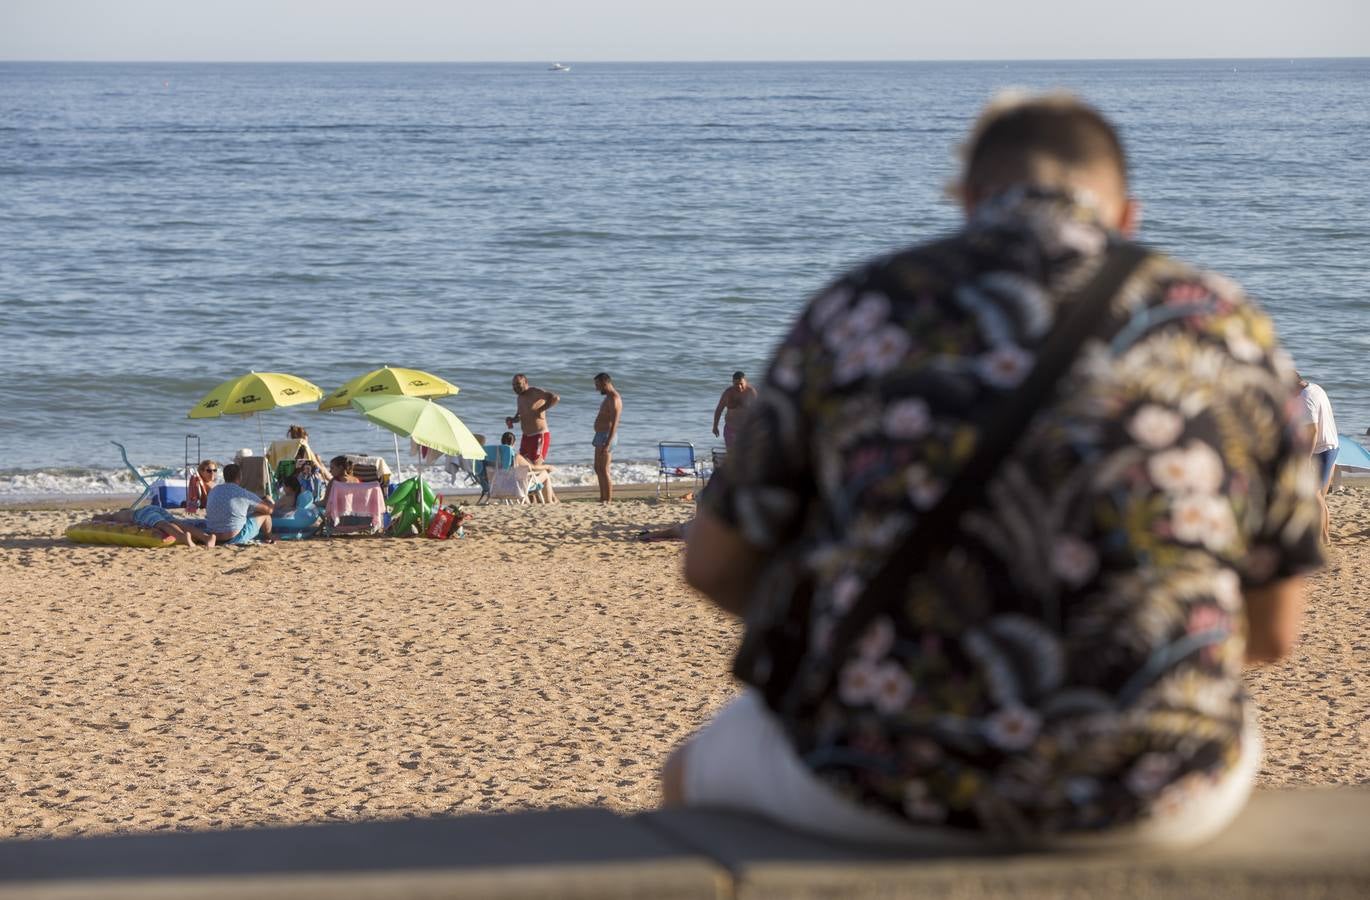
(547, 659)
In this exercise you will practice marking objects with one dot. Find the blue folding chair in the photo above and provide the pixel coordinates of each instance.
(676, 459)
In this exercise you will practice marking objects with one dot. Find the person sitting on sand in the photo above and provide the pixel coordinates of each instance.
(294, 510)
(199, 485)
(340, 469)
(234, 514)
(312, 478)
(539, 474)
(156, 519)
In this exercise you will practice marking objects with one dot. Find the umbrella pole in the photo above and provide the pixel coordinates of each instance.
(397, 453)
(261, 435)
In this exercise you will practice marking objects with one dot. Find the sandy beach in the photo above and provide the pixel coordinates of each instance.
(547, 659)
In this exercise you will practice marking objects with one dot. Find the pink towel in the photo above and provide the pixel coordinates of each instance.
(356, 500)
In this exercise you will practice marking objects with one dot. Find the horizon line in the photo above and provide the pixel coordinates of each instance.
(685, 61)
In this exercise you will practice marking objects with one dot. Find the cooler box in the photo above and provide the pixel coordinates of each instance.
(169, 493)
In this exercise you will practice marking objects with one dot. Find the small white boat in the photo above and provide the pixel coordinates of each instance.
(558, 67)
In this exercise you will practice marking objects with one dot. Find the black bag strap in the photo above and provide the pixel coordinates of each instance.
(1083, 313)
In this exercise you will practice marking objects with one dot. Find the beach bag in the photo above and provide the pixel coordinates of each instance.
(440, 527)
(774, 648)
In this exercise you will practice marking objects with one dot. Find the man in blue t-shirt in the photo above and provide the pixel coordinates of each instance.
(234, 514)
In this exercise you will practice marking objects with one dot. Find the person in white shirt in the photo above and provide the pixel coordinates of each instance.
(1321, 431)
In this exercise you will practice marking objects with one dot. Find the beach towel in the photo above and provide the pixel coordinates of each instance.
(364, 500)
(510, 484)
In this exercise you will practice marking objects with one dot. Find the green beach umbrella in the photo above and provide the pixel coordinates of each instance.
(424, 422)
(389, 381)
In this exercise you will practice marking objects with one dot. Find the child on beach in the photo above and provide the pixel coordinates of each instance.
(295, 514)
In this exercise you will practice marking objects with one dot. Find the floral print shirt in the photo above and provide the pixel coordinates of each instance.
(1073, 661)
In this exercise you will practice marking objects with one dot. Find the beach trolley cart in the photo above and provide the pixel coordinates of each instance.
(676, 459)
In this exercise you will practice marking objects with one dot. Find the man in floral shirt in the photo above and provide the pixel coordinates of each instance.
(1070, 668)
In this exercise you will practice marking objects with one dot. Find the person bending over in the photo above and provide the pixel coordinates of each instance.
(1320, 431)
(1064, 662)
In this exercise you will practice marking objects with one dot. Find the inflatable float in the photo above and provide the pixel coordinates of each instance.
(118, 535)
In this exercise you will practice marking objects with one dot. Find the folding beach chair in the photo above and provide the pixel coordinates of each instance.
(370, 468)
(149, 487)
(676, 459)
(473, 471)
(508, 483)
(255, 475)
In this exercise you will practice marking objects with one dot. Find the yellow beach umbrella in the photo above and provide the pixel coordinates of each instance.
(253, 393)
(389, 381)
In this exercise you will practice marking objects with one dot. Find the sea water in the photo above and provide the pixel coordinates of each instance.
(165, 227)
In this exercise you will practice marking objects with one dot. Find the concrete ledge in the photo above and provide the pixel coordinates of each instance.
(564, 853)
(1305, 843)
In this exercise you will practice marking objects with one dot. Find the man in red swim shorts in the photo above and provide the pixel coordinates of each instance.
(533, 404)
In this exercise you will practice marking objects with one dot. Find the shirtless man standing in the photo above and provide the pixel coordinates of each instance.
(532, 418)
(735, 400)
(606, 433)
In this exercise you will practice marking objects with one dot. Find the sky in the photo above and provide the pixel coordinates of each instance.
(650, 30)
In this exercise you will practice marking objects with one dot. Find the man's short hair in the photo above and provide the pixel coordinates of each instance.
(507, 438)
(231, 473)
(739, 375)
(604, 377)
(1018, 138)
(519, 376)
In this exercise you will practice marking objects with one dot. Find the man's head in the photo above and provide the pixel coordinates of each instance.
(520, 383)
(1053, 141)
(603, 382)
(207, 468)
(340, 467)
(507, 439)
(740, 380)
(480, 438)
(232, 472)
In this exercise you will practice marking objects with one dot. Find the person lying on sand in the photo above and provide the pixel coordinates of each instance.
(159, 520)
(678, 532)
